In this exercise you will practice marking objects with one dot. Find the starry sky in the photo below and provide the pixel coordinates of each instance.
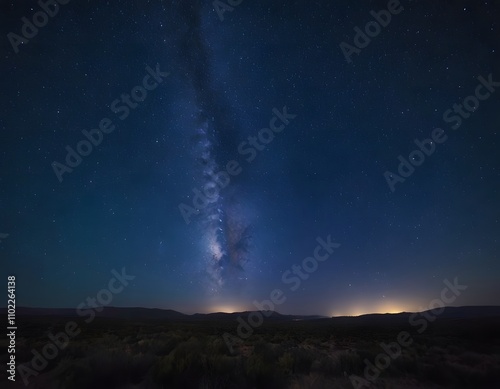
(219, 78)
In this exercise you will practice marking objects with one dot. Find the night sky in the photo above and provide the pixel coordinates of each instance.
(321, 173)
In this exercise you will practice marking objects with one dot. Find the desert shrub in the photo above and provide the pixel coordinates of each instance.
(303, 360)
(325, 364)
(75, 350)
(166, 344)
(262, 368)
(286, 344)
(437, 373)
(278, 338)
(369, 353)
(314, 341)
(183, 367)
(164, 369)
(217, 346)
(109, 340)
(404, 365)
(472, 358)
(278, 350)
(103, 369)
(262, 373)
(350, 362)
(116, 367)
(221, 364)
(264, 350)
(286, 363)
(215, 382)
(76, 374)
(221, 371)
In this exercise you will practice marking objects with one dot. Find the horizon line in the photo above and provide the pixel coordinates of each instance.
(247, 311)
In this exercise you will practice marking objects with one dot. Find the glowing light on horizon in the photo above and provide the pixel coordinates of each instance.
(225, 309)
(385, 306)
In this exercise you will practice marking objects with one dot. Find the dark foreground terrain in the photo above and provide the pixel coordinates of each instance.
(165, 349)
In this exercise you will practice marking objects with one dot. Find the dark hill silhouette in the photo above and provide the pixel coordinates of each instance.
(137, 313)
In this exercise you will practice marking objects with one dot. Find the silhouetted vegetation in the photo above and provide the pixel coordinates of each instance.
(111, 353)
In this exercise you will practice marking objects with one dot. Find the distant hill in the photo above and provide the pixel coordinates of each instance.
(111, 312)
(168, 314)
(269, 315)
(155, 313)
(470, 312)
